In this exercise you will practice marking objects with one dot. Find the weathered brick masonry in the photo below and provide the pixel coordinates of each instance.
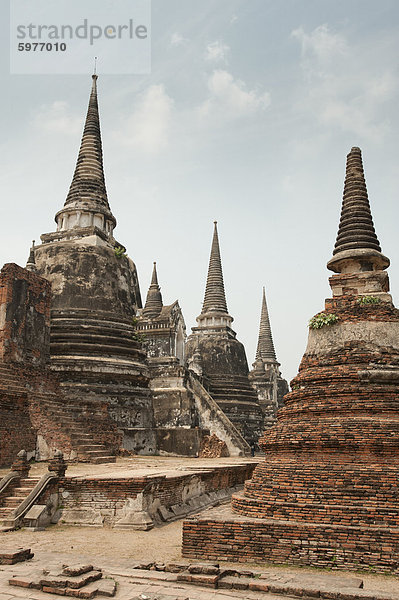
(24, 344)
(225, 535)
(24, 316)
(327, 493)
(35, 414)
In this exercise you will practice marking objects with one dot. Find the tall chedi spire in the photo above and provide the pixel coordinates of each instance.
(153, 304)
(357, 254)
(223, 359)
(87, 202)
(265, 348)
(214, 310)
(215, 297)
(356, 228)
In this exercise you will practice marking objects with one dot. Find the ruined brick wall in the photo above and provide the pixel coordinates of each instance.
(16, 430)
(24, 316)
(24, 352)
(213, 447)
(34, 414)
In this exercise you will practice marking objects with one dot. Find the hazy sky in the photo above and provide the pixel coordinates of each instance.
(246, 118)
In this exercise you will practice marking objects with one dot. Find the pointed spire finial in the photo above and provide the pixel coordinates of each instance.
(265, 349)
(95, 66)
(153, 304)
(356, 234)
(87, 201)
(154, 278)
(31, 262)
(215, 297)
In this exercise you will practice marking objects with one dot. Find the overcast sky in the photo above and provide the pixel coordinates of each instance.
(246, 118)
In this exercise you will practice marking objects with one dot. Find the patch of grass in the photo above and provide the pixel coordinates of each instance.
(322, 319)
(364, 300)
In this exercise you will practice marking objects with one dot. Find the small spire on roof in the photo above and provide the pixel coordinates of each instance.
(31, 263)
(153, 303)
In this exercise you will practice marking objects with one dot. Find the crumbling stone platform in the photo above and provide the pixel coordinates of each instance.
(140, 500)
(140, 493)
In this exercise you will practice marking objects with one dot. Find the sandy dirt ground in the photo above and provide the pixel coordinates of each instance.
(160, 544)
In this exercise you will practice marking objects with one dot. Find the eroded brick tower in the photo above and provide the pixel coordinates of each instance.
(327, 493)
(96, 293)
(222, 356)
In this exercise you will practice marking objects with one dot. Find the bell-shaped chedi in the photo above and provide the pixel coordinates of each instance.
(96, 294)
(327, 493)
(223, 359)
(265, 376)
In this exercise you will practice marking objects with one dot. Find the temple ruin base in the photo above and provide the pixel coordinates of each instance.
(221, 534)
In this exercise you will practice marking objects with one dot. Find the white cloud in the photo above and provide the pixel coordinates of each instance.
(178, 40)
(341, 88)
(320, 44)
(147, 128)
(229, 97)
(57, 118)
(217, 51)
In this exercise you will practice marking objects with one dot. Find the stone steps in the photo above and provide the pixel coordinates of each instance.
(9, 382)
(10, 503)
(72, 419)
(98, 460)
(67, 416)
(92, 348)
(89, 447)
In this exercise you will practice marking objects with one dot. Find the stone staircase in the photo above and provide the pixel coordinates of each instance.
(10, 383)
(16, 496)
(75, 427)
(81, 425)
(236, 397)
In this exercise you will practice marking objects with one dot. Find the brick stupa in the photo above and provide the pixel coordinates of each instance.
(327, 493)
